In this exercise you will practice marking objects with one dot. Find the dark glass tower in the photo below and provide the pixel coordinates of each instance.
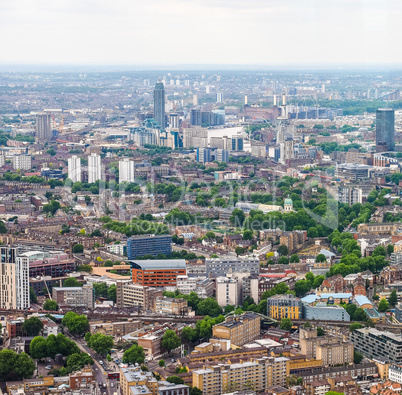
(385, 129)
(159, 104)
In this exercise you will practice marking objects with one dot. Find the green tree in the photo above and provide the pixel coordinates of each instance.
(209, 306)
(247, 234)
(357, 357)
(294, 258)
(393, 298)
(302, 287)
(85, 268)
(32, 326)
(237, 218)
(102, 344)
(195, 391)
(170, 340)
(188, 335)
(320, 258)
(71, 282)
(239, 250)
(286, 324)
(76, 324)
(320, 331)
(111, 293)
(3, 228)
(175, 380)
(390, 249)
(379, 251)
(101, 289)
(283, 249)
(77, 361)
(32, 295)
(135, 354)
(312, 232)
(24, 366)
(383, 305)
(161, 363)
(37, 348)
(78, 249)
(283, 260)
(50, 305)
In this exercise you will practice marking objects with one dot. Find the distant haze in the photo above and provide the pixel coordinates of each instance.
(200, 32)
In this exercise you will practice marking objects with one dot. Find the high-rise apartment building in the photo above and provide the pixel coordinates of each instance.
(22, 162)
(219, 97)
(237, 143)
(126, 170)
(74, 168)
(159, 104)
(14, 275)
(74, 296)
(216, 267)
(43, 127)
(94, 168)
(385, 128)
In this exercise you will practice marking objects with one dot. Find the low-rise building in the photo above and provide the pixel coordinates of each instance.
(238, 329)
(115, 328)
(322, 311)
(74, 296)
(284, 306)
(373, 344)
(175, 306)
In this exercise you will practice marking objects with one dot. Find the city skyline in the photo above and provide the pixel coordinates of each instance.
(243, 33)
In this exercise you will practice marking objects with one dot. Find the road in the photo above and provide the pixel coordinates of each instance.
(100, 372)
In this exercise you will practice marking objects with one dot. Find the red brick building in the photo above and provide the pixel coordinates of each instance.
(157, 273)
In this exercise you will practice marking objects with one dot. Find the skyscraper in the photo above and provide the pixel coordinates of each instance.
(159, 104)
(126, 170)
(74, 168)
(14, 272)
(94, 168)
(43, 127)
(385, 128)
(237, 143)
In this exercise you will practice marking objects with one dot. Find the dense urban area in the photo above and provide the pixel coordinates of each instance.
(201, 232)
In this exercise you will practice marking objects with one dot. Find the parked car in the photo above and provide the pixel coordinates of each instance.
(48, 367)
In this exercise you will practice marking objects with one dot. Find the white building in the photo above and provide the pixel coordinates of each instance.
(2, 160)
(126, 170)
(118, 249)
(94, 168)
(14, 274)
(22, 162)
(395, 373)
(74, 168)
(228, 291)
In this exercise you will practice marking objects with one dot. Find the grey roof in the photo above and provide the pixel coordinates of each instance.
(150, 264)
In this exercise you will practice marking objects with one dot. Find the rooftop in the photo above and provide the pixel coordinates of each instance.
(155, 264)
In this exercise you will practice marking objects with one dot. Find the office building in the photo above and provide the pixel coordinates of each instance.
(284, 306)
(195, 137)
(126, 170)
(148, 245)
(322, 311)
(237, 143)
(74, 296)
(157, 273)
(74, 168)
(239, 330)
(219, 97)
(217, 267)
(129, 295)
(195, 100)
(22, 162)
(94, 168)
(373, 343)
(159, 105)
(14, 274)
(43, 127)
(385, 128)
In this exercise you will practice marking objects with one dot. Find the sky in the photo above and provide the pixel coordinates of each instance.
(203, 32)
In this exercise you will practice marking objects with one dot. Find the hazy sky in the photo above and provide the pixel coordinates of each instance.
(233, 32)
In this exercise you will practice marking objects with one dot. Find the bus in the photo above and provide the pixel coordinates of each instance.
(113, 375)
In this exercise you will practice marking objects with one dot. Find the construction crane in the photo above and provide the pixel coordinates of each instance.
(47, 288)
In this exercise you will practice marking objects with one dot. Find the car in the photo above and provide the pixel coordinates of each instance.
(104, 385)
(112, 385)
(48, 367)
(101, 362)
